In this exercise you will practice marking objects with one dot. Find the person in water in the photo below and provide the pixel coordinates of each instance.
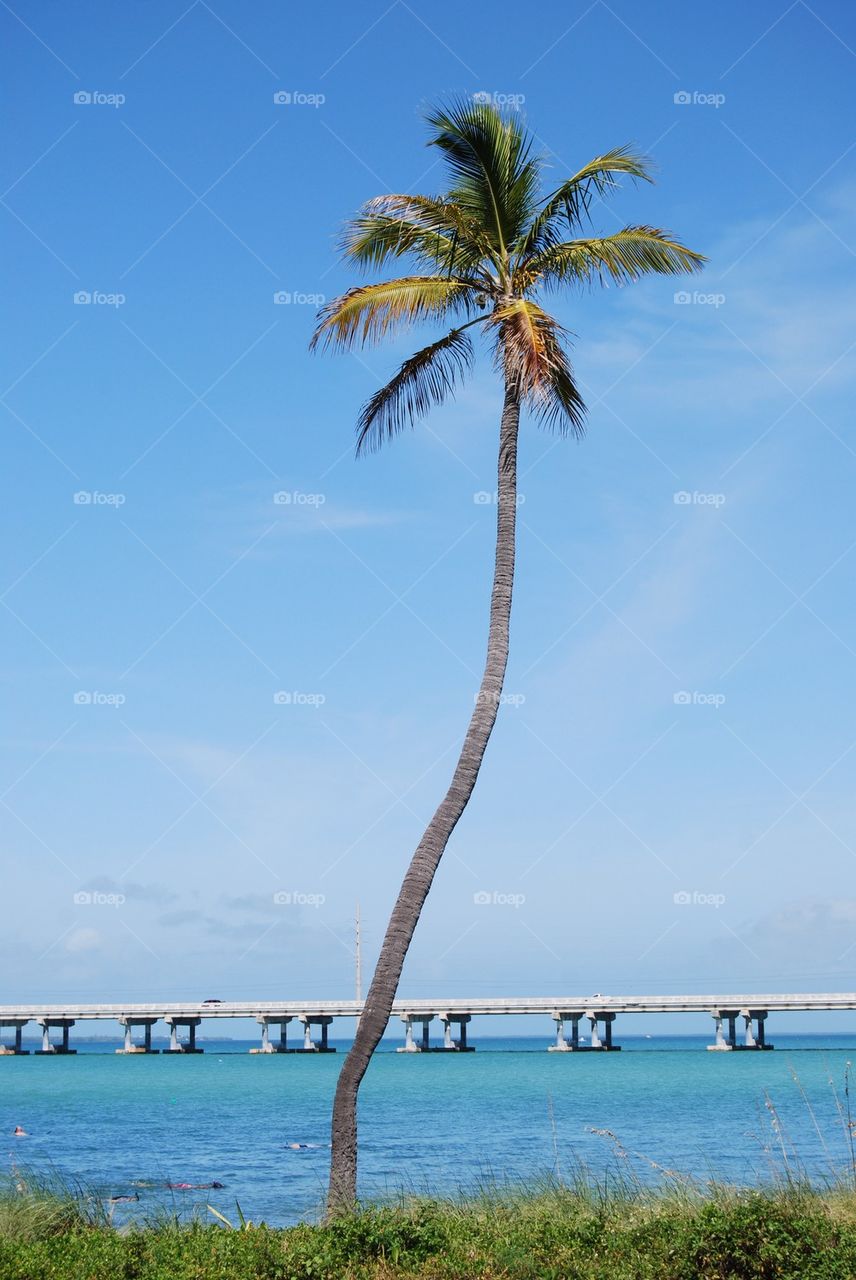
(195, 1186)
(19, 1132)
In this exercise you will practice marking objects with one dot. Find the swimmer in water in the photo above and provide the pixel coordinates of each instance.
(19, 1132)
(196, 1186)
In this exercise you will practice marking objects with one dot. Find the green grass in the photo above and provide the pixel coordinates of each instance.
(590, 1231)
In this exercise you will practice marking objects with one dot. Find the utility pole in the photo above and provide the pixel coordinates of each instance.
(358, 955)
(358, 962)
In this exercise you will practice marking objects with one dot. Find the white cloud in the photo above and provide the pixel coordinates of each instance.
(84, 940)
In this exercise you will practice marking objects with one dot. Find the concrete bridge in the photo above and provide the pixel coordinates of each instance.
(739, 1020)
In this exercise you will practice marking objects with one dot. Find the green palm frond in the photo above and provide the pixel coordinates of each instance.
(372, 239)
(423, 381)
(624, 256)
(480, 253)
(569, 205)
(495, 177)
(433, 232)
(368, 313)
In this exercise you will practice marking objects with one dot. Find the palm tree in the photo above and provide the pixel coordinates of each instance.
(483, 253)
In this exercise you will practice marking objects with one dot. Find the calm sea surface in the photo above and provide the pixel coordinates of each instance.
(435, 1122)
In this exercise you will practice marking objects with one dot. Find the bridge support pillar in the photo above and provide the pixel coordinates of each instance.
(756, 1039)
(727, 1041)
(450, 1045)
(410, 1045)
(596, 1044)
(605, 1045)
(720, 1044)
(562, 1045)
(132, 1046)
(48, 1045)
(309, 1045)
(15, 1047)
(182, 1046)
(273, 1046)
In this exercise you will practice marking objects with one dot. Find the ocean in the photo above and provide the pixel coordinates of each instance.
(432, 1123)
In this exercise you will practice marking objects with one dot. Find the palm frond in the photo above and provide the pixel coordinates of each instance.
(435, 232)
(569, 205)
(561, 408)
(478, 254)
(368, 313)
(624, 256)
(531, 355)
(494, 175)
(424, 380)
(372, 239)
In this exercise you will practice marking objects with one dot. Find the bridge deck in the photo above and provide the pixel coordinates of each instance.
(480, 1006)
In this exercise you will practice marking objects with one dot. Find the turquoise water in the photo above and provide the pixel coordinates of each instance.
(438, 1122)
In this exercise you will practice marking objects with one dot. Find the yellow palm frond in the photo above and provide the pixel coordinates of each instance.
(369, 313)
(530, 351)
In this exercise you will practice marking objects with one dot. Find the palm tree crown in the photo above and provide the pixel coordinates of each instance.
(484, 253)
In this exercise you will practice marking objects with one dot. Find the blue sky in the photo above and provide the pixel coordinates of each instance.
(684, 633)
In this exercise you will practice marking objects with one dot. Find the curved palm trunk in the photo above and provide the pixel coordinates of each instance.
(420, 874)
